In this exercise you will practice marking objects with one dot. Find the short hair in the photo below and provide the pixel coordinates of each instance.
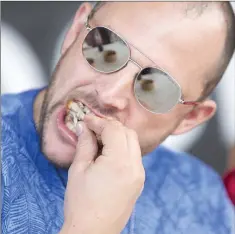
(96, 7)
(214, 77)
(197, 9)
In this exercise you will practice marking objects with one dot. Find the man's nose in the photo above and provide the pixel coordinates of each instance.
(116, 89)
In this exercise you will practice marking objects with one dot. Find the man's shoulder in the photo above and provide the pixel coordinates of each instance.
(186, 173)
(17, 120)
(17, 109)
(11, 103)
(30, 184)
(185, 164)
(186, 192)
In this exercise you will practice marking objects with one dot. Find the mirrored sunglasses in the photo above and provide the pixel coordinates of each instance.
(154, 89)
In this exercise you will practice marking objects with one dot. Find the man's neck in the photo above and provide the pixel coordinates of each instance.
(37, 107)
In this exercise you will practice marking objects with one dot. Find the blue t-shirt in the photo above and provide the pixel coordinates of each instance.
(182, 195)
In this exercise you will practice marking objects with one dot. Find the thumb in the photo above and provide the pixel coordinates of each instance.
(86, 149)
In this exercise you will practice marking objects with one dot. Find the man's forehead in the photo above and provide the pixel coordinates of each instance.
(163, 32)
(143, 24)
(141, 12)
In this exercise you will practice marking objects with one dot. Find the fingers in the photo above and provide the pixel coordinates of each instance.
(86, 149)
(116, 138)
(98, 124)
(121, 144)
(112, 134)
(133, 145)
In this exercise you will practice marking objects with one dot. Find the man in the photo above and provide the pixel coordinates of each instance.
(166, 58)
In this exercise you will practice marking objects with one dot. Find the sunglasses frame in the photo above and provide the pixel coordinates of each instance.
(180, 99)
(169, 78)
(129, 57)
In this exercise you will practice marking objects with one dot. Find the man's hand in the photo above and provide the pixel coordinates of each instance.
(102, 191)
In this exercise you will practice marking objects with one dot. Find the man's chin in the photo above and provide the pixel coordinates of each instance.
(61, 155)
(59, 160)
(55, 144)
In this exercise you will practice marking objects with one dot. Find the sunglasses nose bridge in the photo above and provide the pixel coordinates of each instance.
(137, 64)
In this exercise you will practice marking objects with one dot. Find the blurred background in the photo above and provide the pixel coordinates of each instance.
(31, 37)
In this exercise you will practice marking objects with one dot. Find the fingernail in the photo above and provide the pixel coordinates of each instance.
(79, 129)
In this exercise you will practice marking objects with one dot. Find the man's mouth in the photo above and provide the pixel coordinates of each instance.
(75, 113)
(68, 118)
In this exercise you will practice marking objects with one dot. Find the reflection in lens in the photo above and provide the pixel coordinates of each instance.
(157, 91)
(108, 51)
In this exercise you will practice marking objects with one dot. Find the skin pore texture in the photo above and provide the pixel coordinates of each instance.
(182, 46)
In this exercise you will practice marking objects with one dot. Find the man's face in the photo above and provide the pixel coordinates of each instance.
(163, 33)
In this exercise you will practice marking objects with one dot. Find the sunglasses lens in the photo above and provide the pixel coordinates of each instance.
(156, 91)
(104, 50)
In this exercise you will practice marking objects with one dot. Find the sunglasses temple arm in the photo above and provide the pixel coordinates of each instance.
(189, 103)
(87, 25)
(135, 63)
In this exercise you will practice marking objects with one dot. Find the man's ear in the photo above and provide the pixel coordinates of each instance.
(201, 113)
(78, 22)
